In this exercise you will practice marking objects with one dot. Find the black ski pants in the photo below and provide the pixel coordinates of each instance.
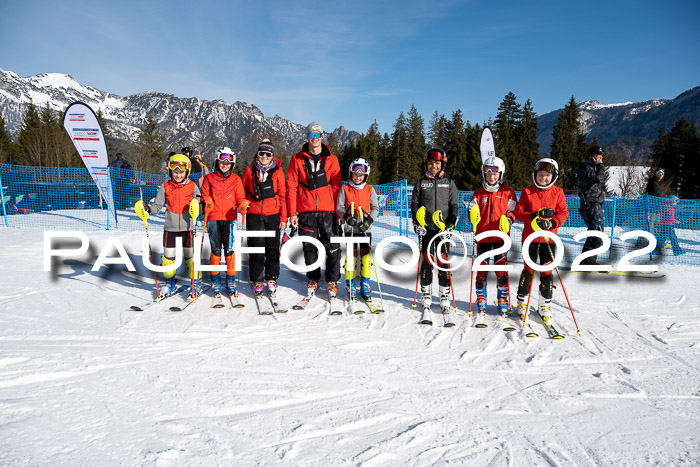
(266, 264)
(322, 226)
(592, 215)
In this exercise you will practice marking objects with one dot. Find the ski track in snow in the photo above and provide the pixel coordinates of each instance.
(85, 380)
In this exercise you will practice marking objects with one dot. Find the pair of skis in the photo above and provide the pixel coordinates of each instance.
(170, 299)
(217, 300)
(268, 304)
(445, 312)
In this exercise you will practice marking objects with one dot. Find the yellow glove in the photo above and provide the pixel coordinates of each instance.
(437, 220)
(420, 216)
(194, 208)
(504, 223)
(141, 210)
(475, 216)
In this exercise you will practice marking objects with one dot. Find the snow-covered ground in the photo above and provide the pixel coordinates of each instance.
(86, 381)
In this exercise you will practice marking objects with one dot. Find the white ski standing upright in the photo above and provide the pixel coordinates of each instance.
(487, 147)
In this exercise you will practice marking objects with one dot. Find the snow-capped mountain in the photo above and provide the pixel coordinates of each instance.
(629, 127)
(189, 121)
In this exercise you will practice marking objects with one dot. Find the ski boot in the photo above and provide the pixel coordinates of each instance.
(272, 289)
(481, 298)
(168, 288)
(522, 307)
(425, 296)
(216, 283)
(365, 289)
(332, 288)
(445, 299)
(545, 310)
(231, 286)
(311, 288)
(258, 289)
(350, 288)
(503, 300)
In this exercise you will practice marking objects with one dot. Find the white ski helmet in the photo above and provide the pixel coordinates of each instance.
(490, 164)
(549, 165)
(225, 153)
(359, 165)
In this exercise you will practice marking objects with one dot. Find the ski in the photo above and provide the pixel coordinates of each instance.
(150, 303)
(217, 300)
(640, 274)
(426, 317)
(481, 322)
(234, 301)
(336, 306)
(264, 305)
(528, 330)
(551, 330)
(302, 304)
(376, 309)
(356, 307)
(187, 301)
(447, 317)
(507, 324)
(275, 303)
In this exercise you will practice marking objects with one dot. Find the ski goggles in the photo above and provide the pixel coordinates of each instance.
(660, 172)
(436, 155)
(359, 168)
(178, 165)
(545, 167)
(224, 156)
(491, 169)
(264, 154)
(314, 135)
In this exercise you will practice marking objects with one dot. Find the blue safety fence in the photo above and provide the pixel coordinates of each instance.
(57, 198)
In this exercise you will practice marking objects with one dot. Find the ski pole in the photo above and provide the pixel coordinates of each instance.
(194, 214)
(143, 214)
(437, 220)
(351, 253)
(420, 217)
(376, 273)
(475, 218)
(578, 331)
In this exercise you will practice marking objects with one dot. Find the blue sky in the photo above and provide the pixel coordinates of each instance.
(349, 63)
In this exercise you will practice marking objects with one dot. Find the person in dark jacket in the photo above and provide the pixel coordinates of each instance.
(654, 185)
(590, 181)
(434, 191)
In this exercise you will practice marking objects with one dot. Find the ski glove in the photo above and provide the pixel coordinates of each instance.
(420, 230)
(543, 224)
(243, 206)
(504, 223)
(364, 225)
(350, 219)
(546, 213)
(207, 205)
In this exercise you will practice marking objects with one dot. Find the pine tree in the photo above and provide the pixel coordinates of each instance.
(437, 130)
(28, 151)
(416, 146)
(370, 149)
(456, 148)
(678, 152)
(6, 144)
(520, 169)
(150, 147)
(505, 128)
(568, 143)
(398, 158)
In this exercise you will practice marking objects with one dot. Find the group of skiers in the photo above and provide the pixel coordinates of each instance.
(313, 200)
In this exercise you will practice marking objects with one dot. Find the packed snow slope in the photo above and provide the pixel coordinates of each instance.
(86, 381)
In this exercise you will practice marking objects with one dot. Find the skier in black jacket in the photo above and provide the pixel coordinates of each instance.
(434, 192)
(590, 181)
(654, 185)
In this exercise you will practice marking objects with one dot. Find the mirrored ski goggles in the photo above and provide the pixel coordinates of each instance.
(359, 168)
(226, 157)
(660, 172)
(491, 169)
(314, 135)
(264, 154)
(178, 165)
(436, 155)
(546, 167)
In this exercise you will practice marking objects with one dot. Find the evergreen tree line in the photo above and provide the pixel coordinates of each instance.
(42, 141)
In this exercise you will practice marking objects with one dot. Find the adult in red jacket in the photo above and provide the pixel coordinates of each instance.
(223, 196)
(313, 183)
(493, 205)
(542, 206)
(266, 189)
